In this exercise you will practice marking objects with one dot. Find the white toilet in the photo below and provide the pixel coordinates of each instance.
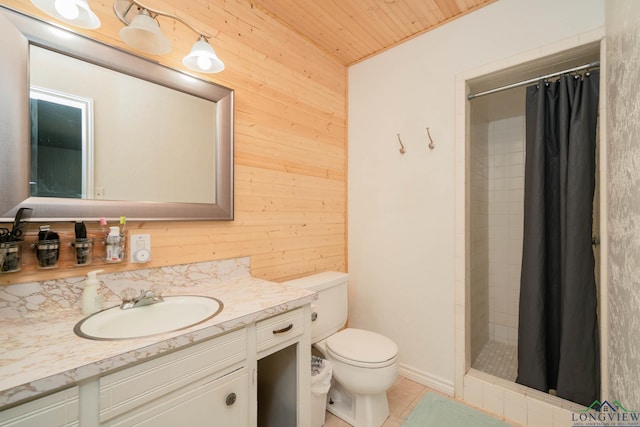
(365, 364)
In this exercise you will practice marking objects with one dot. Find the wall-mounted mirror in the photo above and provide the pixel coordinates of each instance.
(90, 131)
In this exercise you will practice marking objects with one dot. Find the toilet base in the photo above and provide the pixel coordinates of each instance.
(358, 410)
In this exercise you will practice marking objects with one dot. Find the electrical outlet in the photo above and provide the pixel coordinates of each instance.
(140, 248)
(99, 193)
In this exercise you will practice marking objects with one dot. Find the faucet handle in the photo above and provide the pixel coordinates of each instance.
(150, 293)
(154, 294)
(128, 295)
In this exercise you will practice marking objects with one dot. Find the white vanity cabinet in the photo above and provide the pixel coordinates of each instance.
(57, 409)
(256, 375)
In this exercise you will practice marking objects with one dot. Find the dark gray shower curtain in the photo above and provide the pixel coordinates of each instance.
(558, 329)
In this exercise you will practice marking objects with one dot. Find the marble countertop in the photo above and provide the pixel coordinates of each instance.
(41, 353)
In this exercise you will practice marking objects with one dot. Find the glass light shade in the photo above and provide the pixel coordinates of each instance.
(203, 58)
(144, 34)
(67, 8)
(73, 12)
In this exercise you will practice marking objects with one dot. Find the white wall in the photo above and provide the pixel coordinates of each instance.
(402, 207)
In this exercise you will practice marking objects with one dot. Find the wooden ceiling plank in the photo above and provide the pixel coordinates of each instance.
(352, 17)
(352, 31)
(414, 17)
(328, 26)
(465, 5)
(430, 9)
(449, 8)
(399, 26)
(349, 30)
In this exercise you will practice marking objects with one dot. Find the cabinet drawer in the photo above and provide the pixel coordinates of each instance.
(125, 390)
(280, 328)
(212, 401)
(57, 409)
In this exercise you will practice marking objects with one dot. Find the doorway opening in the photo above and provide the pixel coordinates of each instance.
(495, 164)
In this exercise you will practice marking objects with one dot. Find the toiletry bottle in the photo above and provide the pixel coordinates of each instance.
(91, 301)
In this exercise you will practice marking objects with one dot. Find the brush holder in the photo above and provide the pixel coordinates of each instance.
(10, 255)
(84, 251)
(114, 249)
(47, 253)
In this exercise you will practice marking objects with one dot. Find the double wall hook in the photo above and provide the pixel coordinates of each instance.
(403, 150)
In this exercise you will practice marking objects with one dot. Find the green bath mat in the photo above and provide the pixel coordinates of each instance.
(438, 411)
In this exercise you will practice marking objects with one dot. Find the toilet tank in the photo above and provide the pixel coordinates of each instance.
(331, 306)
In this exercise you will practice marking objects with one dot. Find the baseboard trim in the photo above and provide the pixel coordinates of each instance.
(426, 379)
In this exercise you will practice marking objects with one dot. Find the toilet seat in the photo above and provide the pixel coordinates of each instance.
(362, 348)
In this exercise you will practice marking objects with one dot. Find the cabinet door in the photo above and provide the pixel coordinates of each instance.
(222, 401)
(57, 409)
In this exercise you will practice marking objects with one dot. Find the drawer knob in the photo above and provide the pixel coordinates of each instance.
(283, 330)
(231, 399)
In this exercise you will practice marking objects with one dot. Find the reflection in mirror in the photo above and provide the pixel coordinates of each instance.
(61, 145)
(141, 131)
(129, 137)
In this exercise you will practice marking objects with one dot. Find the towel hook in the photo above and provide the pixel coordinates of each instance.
(431, 144)
(402, 149)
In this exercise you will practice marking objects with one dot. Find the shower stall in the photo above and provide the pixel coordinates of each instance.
(495, 210)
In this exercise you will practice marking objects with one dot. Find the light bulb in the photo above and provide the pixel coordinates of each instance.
(203, 58)
(204, 62)
(67, 9)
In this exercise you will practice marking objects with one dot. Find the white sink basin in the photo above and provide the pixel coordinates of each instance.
(172, 314)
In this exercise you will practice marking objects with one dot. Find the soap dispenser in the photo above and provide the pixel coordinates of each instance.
(91, 301)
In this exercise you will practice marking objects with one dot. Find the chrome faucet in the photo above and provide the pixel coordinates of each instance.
(145, 298)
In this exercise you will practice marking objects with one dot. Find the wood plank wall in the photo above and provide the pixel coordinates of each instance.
(290, 147)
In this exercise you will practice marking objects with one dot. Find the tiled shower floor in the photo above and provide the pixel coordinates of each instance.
(498, 359)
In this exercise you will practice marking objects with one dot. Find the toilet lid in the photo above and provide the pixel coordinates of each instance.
(362, 347)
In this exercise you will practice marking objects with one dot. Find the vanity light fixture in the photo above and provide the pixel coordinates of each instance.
(74, 12)
(142, 32)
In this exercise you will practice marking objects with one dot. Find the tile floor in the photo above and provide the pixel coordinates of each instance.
(498, 359)
(402, 396)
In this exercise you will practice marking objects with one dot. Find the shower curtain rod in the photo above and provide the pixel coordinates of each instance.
(595, 64)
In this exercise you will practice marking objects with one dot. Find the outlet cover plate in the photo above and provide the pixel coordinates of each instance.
(140, 248)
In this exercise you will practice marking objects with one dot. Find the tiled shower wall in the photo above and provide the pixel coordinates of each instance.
(496, 167)
(506, 197)
(479, 241)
